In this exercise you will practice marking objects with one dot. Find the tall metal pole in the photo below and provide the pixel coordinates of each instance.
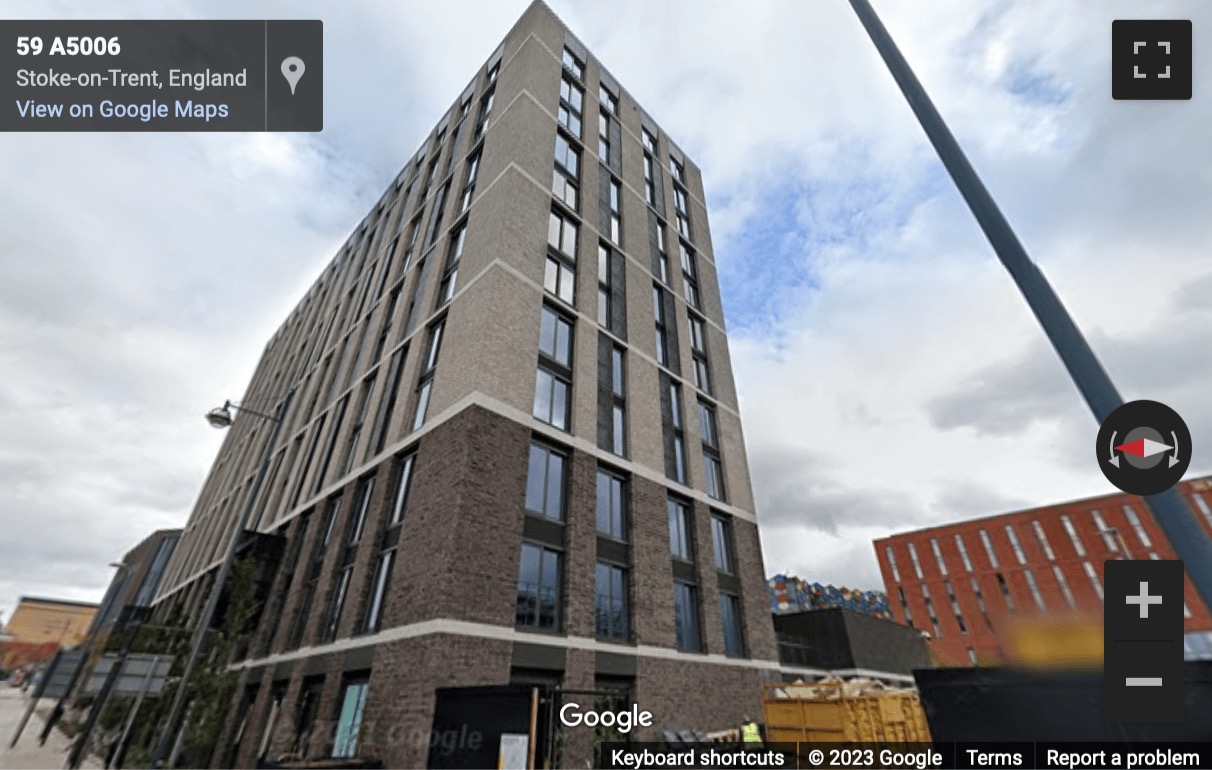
(164, 745)
(1171, 511)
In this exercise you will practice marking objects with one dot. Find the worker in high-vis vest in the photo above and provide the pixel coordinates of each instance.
(750, 732)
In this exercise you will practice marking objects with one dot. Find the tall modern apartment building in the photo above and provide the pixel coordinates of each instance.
(513, 452)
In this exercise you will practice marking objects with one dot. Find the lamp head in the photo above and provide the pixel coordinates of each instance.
(220, 417)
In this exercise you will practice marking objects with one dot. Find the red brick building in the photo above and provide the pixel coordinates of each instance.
(964, 584)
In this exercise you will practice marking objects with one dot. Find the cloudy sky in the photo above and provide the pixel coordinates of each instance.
(890, 375)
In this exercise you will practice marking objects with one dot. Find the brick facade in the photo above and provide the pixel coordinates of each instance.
(988, 640)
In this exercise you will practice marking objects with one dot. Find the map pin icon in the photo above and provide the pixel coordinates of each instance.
(292, 70)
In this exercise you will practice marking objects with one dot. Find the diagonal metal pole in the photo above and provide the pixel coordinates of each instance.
(1171, 511)
(208, 613)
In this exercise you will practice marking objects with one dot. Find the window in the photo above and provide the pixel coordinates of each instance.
(905, 607)
(1034, 587)
(559, 279)
(989, 549)
(917, 565)
(569, 112)
(450, 273)
(389, 314)
(609, 101)
(425, 386)
(469, 187)
(648, 140)
(1202, 505)
(358, 523)
(574, 65)
(387, 404)
(896, 573)
(436, 214)
(603, 137)
(413, 229)
(566, 174)
(386, 273)
(690, 276)
(980, 601)
(730, 618)
(604, 288)
(1137, 527)
(677, 170)
(616, 212)
(553, 385)
(403, 485)
(1064, 586)
(611, 620)
(337, 604)
(338, 416)
(662, 253)
(963, 551)
(938, 556)
(612, 505)
(681, 534)
(618, 406)
(368, 386)
(649, 186)
(686, 616)
(1015, 544)
(555, 337)
(955, 607)
(1107, 533)
(1043, 540)
(538, 600)
(662, 327)
(713, 470)
(562, 234)
(938, 631)
(721, 543)
(493, 72)
(679, 440)
(349, 722)
(378, 591)
(1078, 548)
(1092, 574)
(485, 111)
(545, 482)
(1001, 583)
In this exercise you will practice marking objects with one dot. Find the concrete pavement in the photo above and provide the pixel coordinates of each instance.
(27, 754)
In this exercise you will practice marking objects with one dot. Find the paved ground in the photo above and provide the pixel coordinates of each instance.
(27, 754)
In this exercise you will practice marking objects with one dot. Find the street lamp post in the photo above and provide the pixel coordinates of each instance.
(220, 418)
(1169, 509)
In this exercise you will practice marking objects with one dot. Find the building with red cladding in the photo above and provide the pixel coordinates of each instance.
(966, 584)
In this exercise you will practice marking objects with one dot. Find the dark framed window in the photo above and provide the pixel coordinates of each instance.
(574, 65)
(690, 276)
(562, 234)
(722, 545)
(566, 175)
(337, 603)
(485, 112)
(648, 140)
(618, 407)
(469, 186)
(555, 337)
(351, 710)
(681, 530)
(612, 505)
(662, 326)
(662, 254)
(553, 379)
(545, 482)
(357, 521)
(571, 101)
(609, 101)
(425, 383)
(399, 499)
(616, 212)
(387, 403)
(679, 433)
(330, 446)
(378, 591)
(713, 469)
(730, 619)
(686, 616)
(677, 170)
(604, 136)
(538, 603)
(611, 605)
(559, 279)
(450, 273)
(363, 408)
